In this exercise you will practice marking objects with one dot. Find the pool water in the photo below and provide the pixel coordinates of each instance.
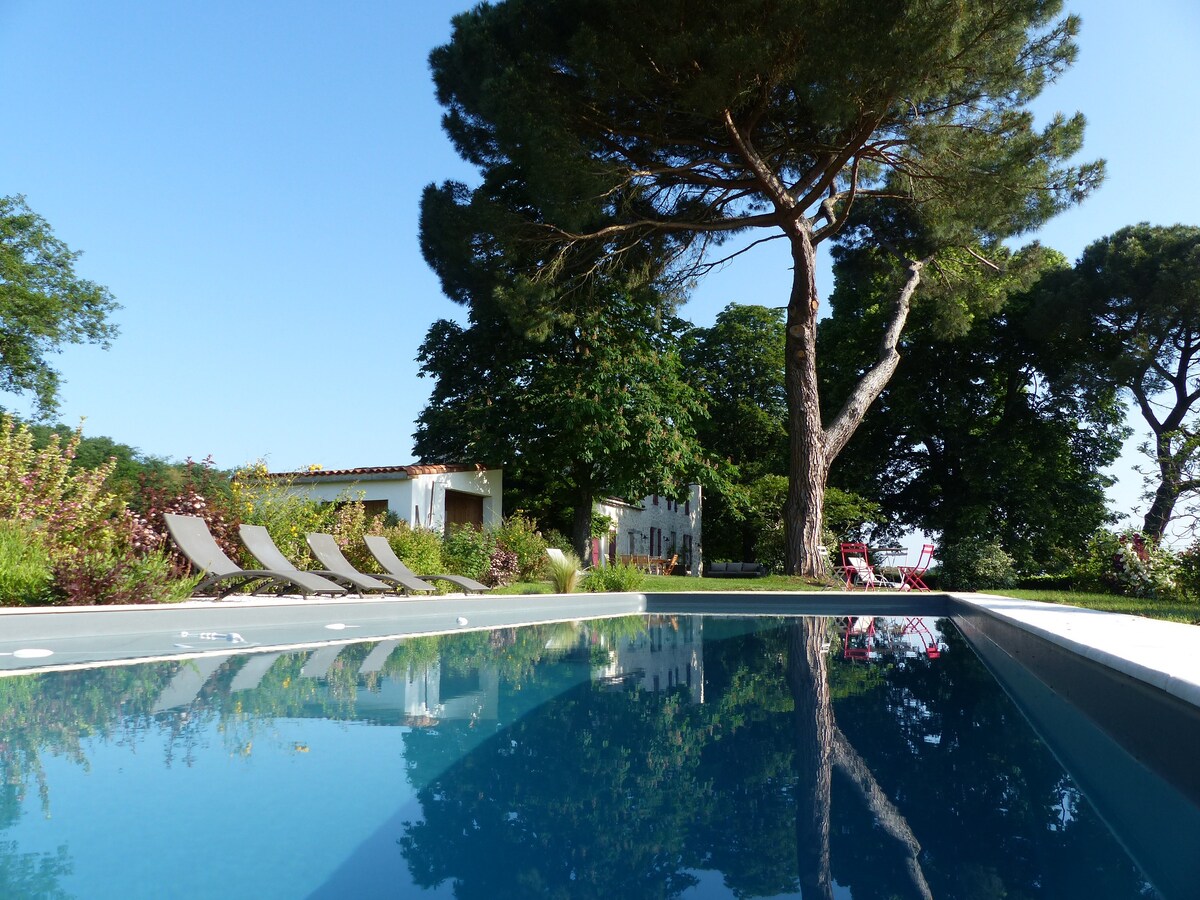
(653, 757)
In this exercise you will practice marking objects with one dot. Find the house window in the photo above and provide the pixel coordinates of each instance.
(416, 516)
(656, 499)
(687, 506)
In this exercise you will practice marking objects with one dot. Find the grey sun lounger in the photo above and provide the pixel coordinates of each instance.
(329, 554)
(386, 557)
(195, 541)
(258, 541)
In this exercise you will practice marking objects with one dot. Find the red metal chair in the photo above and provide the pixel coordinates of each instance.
(910, 576)
(856, 566)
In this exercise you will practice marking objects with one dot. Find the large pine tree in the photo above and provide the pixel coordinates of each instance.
(600, 126)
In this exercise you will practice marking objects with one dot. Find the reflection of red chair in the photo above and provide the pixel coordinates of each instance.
(910, 576)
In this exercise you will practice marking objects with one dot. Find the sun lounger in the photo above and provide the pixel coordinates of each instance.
(386, 557)
(195, 541)
(260, 544)
(329, 554)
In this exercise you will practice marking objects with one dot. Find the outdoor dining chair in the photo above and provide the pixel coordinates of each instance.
(856, 568)
(910, 576)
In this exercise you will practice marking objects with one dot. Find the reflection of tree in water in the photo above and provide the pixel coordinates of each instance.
(797, 771)
(590, 795)
(973, 780)
(771, 782)
(32, 874)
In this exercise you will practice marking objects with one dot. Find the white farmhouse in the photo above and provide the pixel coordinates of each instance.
(425, 496)
(655, 529)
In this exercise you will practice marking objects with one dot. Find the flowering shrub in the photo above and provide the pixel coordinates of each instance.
(1129, 563)
(287, 514)
(203, 491)
(503, 568)
(88, 540)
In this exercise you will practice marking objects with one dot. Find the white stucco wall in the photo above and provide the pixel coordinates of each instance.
(420, 500)
(636, 521)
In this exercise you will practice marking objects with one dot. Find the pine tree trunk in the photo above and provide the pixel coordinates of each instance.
(813, 759)
(808, 467)
(1163, 505)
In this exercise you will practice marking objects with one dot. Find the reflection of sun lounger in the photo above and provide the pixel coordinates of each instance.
(377, 657)
(258, 541)
(330, 555)
(250, 675)
(386, 557)
(319, 663)
(195, 541)
(185, 686)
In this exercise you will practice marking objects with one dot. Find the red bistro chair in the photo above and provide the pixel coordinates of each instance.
(910, 576)
(856, 566)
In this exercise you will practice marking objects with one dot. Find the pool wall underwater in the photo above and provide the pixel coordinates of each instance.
(1116, 698)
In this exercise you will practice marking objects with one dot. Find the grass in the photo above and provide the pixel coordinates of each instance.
(1169, 610)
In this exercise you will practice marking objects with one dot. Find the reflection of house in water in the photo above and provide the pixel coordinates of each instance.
(666, 656)
(433, 694)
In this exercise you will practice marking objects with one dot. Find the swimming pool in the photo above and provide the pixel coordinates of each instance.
(677, 755)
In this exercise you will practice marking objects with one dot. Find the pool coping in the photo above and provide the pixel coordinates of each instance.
(1152, 651)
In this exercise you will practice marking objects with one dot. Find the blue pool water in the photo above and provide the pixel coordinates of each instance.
(643, 757)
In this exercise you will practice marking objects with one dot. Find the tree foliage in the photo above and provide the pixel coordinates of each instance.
(594, 405)
(982, 435)
(610, 129)
(43, 304)
(1133, 301)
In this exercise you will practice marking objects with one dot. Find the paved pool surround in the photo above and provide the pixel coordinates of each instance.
(1158, 654)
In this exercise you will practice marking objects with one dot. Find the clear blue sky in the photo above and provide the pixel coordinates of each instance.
(245, 177)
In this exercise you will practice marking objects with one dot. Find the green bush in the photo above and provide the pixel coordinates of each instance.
(419, 548)
(26, 570)
(519, 535)
(1189, 571)
(976, 566)
(617, 579)
(468, 551)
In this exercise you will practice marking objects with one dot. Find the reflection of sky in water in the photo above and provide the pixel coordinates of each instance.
(603, 760)
(274, 821)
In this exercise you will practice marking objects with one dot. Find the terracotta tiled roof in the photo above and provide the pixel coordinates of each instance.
(405, 471)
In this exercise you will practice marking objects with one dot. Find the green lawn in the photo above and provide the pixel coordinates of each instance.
(1171, 610)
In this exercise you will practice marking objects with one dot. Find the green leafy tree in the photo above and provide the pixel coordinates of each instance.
(602, 128)
(738, 365)
(1133, 300)
(590, 405)
(43, 304)
(982, 435)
